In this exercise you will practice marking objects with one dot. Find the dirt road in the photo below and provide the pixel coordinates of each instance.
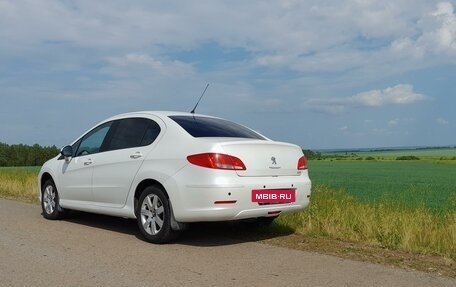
(92, 250)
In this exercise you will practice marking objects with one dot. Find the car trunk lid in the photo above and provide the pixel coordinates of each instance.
(265, 158)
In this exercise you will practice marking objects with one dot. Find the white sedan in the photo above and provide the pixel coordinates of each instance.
(167, 169)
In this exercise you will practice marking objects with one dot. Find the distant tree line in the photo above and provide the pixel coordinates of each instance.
(310, 154)
(25, 155)
(407, 157)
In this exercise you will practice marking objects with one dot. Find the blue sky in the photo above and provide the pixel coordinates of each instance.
(321, 74)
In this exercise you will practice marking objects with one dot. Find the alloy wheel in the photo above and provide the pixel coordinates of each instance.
(152, 214)
(49, 199)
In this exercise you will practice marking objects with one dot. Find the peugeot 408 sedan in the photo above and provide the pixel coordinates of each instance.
(166, 169)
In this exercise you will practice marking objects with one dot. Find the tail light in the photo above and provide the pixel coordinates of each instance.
(216, 161)
(302, 163)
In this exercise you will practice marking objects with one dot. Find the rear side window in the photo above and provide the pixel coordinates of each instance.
(152, 131)
(211, 127)
(133, 132)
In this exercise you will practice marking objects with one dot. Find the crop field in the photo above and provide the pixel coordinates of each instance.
(410, 183)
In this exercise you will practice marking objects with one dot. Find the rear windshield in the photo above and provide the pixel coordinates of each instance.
(209, 127)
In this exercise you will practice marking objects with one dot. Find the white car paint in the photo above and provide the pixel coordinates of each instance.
(106, 182)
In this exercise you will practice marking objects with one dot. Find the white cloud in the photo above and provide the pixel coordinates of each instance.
(445, 35)
(325, 105)
(373, 37)
(401, 94)
(362, 40)
(172, 68)
(441, 121)
(135, 59)
(393, 122)
(438, 34)
(163, 53)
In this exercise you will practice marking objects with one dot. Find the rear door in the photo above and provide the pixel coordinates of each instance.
(114, 170)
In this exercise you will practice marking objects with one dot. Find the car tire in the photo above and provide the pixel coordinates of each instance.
(153, 215)
(50, 201)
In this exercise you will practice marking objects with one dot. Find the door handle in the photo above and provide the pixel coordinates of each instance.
(88, 162)
(136, 155)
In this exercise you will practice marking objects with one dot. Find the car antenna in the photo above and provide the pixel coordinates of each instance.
(193, 111)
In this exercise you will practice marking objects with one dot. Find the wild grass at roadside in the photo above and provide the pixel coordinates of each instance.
(389, 224)
(19, 183)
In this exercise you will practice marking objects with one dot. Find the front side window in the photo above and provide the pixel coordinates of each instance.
(75, 147)
(93, 141)
(213, 127)
(133, 132)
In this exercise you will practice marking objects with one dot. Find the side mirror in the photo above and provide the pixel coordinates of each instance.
(67, 152)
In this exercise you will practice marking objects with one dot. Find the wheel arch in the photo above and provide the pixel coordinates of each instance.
(152, 182)
(45, 177)
(146, 183)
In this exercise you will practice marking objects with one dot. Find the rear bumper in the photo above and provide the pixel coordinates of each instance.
(198, 199)
(236, 212)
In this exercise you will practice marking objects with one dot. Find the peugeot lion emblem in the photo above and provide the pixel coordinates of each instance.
(273, 159)
(274, 163)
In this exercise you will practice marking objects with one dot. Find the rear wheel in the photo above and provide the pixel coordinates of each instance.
(154, 217)
(50, 201)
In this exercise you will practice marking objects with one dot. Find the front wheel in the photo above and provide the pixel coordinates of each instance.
(154, 216)
(50, 201)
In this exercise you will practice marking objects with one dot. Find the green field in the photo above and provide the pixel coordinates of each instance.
(436, 154)
(411, 183)
(430, 154)
(407, 205)
(428, 182)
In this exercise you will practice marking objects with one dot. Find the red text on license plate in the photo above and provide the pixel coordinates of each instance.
(273, 195)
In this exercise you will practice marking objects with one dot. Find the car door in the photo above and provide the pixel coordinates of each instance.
(114, 170)
(75, 178)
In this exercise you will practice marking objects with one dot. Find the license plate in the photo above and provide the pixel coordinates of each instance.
(273, 195)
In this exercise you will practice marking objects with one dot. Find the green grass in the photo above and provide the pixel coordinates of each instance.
(19, 183)
(337, 215)
(399, 205)
(408, 183)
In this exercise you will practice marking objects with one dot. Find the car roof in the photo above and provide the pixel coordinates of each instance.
(160, 114)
